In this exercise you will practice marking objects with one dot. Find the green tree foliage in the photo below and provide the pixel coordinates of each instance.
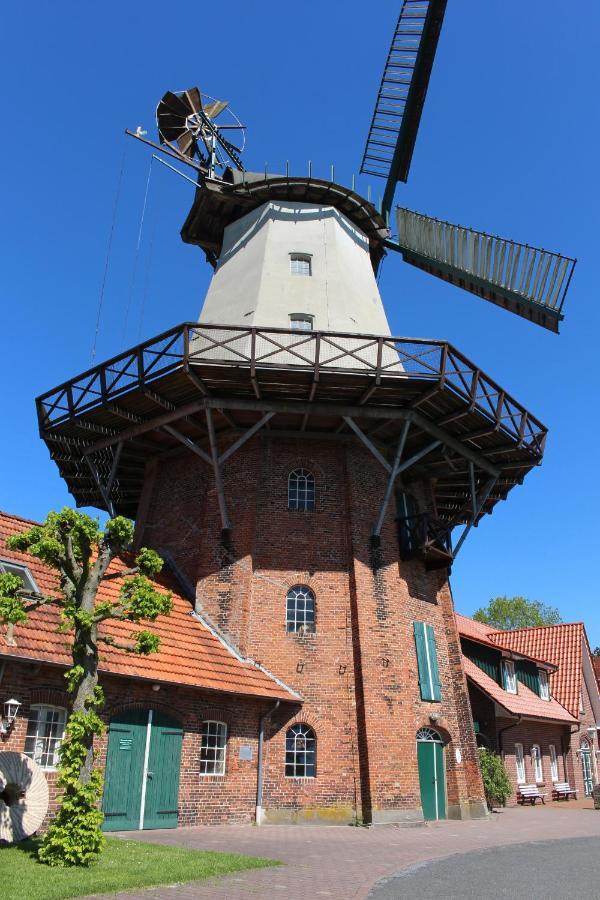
(81, 552)
(509, 613)
(496, 782)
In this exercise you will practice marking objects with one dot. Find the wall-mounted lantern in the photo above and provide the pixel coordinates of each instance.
(10, 710)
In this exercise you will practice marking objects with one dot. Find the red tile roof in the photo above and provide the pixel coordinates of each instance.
(560, 644)
(190, 653)
(476, 631)
(525, 703)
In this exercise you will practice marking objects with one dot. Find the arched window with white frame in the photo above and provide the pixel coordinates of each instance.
(213, 747)
(300, 610)
(45, 731)
(301, 490)
(300, 752)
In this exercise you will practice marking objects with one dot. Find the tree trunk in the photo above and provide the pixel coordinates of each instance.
(85, 654)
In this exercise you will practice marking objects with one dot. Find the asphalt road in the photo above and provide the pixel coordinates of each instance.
(543, 870)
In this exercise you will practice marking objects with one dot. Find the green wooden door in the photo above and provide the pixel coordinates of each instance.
(124, 771)
(432, 780)
(142, 771)
(162, 778)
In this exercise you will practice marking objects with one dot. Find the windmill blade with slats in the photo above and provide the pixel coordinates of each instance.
(525, 280)
(392, 135)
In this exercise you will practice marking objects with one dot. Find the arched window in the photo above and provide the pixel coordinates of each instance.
(428, 734)
(300, 609)
(213, 744)
(45, 731)
(300, 752)
(301, 490)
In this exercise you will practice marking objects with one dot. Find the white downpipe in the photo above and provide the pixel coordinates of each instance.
(145, 769)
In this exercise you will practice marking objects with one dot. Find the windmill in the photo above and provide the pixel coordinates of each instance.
(525, 280)
(329, 363)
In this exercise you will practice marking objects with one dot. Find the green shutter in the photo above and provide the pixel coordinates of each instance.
(433, 663)
(420, 644)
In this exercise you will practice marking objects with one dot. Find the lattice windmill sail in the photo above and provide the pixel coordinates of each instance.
(522, 279)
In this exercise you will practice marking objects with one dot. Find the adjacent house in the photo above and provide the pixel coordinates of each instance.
(535, 700)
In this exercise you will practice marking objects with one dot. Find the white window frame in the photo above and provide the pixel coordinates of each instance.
(553, 762)
(45, 745)
(221, 731)
(301, 264)
(536, 763)
(302, 322)
(10, 567)
(510, 677)
(544, 684)
(520, 763)
(300, 610)
(297, 754)
(301, 491)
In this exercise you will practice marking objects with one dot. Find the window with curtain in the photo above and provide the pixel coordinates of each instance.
(45, 731)
(520, 763)
(510, 677)
(213, 747)
(544, 686)
(536, 762)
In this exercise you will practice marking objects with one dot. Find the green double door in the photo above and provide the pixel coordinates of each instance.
(142, 771)
(432, 779)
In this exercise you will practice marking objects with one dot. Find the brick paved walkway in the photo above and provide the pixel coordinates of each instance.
(343, 862)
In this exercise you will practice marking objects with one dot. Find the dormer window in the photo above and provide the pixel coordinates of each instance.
(300, 264)
(301, 322)
(544, 686)
(22, 572)
(510, 677)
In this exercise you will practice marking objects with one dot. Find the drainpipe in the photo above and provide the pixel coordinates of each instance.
(259, 772)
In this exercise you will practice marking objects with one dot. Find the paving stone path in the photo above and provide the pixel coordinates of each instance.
(345, 863)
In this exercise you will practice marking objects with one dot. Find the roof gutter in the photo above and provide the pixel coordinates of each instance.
(506, 728)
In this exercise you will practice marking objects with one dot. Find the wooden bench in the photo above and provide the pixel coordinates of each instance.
(530, 792)
(563, 791)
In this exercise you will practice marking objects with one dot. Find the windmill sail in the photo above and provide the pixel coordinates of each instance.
(525, 280)
(391, 140)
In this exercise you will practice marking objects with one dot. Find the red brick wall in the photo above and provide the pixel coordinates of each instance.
(202, 799)
(529, 733)
(574, 763)
(358, 672)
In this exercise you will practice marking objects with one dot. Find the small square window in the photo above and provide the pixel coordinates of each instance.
(300, 264)
(301, 322)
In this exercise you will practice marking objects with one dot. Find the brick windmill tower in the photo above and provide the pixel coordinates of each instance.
(309, 476)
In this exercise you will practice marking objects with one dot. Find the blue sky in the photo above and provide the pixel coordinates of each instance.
(508, 143)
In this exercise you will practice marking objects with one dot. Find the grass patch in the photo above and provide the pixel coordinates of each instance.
(123, 865)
